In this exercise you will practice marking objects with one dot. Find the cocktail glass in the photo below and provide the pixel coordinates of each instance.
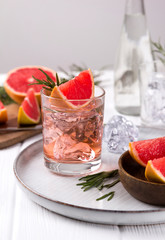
(72, 138)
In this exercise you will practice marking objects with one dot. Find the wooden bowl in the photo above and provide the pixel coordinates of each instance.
(133, 179)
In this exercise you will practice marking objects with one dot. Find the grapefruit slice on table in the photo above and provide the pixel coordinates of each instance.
(155, 170)
(79, 89)
(3, 113)
(145, 150)
(18, 80)
(29, 112)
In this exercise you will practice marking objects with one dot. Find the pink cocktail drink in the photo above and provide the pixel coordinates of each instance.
(72, 138)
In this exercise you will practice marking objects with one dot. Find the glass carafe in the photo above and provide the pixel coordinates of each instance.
(134, 48)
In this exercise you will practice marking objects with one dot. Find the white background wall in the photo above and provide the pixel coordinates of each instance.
(61, 32)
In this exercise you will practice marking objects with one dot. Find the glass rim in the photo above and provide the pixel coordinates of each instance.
(75, 100)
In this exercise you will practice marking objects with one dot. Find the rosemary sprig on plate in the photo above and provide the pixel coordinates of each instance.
(98, 180)
(160, 50)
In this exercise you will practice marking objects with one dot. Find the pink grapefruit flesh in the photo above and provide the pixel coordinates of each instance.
(145, 150)
(18, 80)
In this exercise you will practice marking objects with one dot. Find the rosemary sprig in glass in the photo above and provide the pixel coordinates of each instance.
(49, 84)
(98, 180)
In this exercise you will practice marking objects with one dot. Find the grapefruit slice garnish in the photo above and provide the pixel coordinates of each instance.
(3, 113)
(29, 112)
(155, 170)
(75, 93)
(18, 80)
(145, 150)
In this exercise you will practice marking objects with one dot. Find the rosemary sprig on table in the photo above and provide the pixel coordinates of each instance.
(4, 98)
(97, 180)
(160, 50)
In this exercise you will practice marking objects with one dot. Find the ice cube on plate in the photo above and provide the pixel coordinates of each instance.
(118, 132)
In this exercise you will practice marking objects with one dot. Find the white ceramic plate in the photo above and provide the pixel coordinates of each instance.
(61, 195)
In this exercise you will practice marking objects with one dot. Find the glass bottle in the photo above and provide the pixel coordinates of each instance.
(134, 48)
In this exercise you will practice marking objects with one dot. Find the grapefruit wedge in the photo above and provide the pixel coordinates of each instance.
(155, 170)
(3, 113)
(76, 92)
(145, 150)
(29, 112)
(18, 80)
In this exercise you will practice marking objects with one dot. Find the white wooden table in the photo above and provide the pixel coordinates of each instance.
(22, 219)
